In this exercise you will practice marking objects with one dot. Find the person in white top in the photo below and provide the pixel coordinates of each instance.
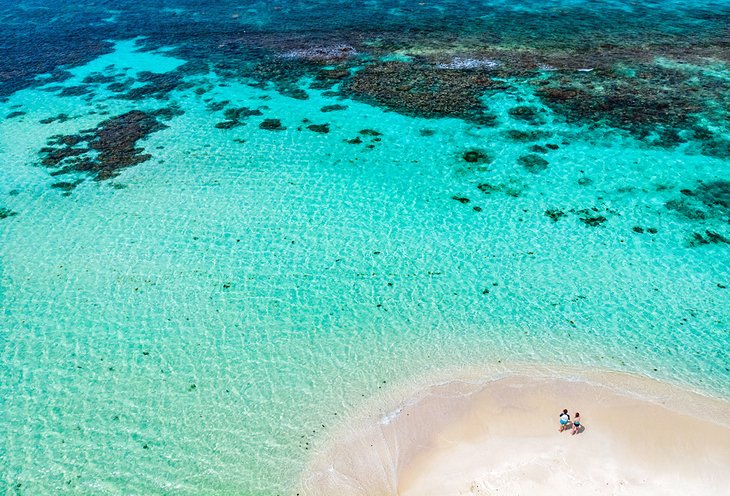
(564, 420)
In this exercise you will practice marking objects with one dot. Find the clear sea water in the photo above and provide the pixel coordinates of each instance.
(196, 322)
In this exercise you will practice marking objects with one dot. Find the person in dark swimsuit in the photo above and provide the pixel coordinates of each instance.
(576, 424)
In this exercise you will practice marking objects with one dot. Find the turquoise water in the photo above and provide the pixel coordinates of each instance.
(194, 322)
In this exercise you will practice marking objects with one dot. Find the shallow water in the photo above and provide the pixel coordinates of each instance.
(187, 308)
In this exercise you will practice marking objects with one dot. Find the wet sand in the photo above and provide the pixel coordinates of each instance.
(501, 436)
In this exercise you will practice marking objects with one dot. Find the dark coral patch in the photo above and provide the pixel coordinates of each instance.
(554, 214)
(325, 79)
(527, 136)
(525, 113)
(488, 189)
(108, 148)
(333, 108)
(78, 90)
(593, 221)
(13, 115)
(240, 113)
(717, 148)
(419, 90)
(6, 212)
(217, 106)
(370, 132)
(715, 194)
(708, 238)
(461, 199)
(706, 200)
(228, 124)
(657, 104)
(686, 209)
(98, 78)
(155, 85)
(319, 128)
(533, 163)
(62, 117)
(234, 116)
(272, 125)
(65, 186)
(476, 157)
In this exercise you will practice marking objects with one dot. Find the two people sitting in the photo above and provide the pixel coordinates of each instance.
(566, 424)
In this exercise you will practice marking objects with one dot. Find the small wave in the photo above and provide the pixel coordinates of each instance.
(335, 52)
(467, 63)
(389, 417)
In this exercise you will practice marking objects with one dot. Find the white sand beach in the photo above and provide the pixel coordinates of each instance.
(464, 437)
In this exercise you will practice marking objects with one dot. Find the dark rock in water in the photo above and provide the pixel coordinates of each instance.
(525, 113)
(65, 186)
(333, 108)
(228, 124)
(710, 237)
(715, 194)
(718, 148)
(533, 163)
(707, 200)
(60, 118)
(98, 78)
(638, 229)
(652, 230)
(354, 141)
(6, 212)
(319, 128)
(370, 132)
(237, 114)
(122, 86)
(686, 209)
(538, 149)
(552, 146)
(13, 115)
(234, 116)
(272, 125)
(585, 181)
(110, 146)
(527, 136)
(593, 221)
(477, 209)
(296, 93)
(461, 199)
(156, 85)
(218, 106)
(426, 132)
(476, 157)
(75, 90)
(487, 188)
(554, 214)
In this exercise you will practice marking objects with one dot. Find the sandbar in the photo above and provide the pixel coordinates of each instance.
(499, 435)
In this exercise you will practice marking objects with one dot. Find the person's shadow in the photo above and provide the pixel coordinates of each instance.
(580, 430)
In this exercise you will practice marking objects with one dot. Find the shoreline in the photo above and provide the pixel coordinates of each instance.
(498, 434)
